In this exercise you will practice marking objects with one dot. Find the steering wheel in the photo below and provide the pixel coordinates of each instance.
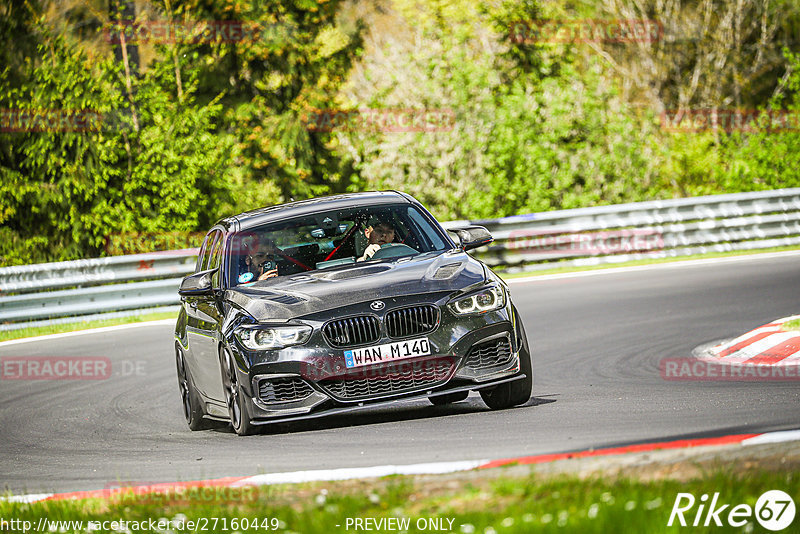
(393, 250)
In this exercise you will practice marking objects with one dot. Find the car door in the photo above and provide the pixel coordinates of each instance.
(211, 317)
(189, 303)
(200, 329)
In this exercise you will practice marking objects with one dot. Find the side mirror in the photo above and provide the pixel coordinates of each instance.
(197, 284)
(473, 236)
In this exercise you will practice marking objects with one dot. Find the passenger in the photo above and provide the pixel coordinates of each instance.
(378, 233)
(262, 260)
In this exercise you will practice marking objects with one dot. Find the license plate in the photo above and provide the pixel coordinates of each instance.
(388, 352)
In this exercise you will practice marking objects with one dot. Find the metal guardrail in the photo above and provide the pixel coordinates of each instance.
(655, 229)
(585, 236)
(84, 301)
(48, 276)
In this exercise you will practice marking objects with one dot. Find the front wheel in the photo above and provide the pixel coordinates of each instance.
(234, 397)
(509, 394)
(517, 392)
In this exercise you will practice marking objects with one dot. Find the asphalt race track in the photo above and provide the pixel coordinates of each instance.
(597, 345)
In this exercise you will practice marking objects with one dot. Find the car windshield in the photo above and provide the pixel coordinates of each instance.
(330, 239)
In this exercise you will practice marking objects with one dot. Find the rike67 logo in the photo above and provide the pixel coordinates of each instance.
(774, 510)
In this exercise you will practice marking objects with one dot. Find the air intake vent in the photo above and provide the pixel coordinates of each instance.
(278, 390)
(352, 331)
(446, 271)
(489, 354)
(288, 299)
(412, 321)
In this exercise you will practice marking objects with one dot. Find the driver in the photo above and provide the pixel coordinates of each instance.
(261, 260)
(378, 233)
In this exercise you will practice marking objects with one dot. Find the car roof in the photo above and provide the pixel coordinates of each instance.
(300, 208)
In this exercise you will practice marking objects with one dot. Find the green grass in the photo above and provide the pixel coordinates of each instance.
(82, 325)
(569, 268)
(476, 505)
(791, 325)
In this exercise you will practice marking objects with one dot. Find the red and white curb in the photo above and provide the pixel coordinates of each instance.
(767, 345)
(415, 469)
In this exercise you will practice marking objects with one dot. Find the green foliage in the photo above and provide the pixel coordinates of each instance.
(770, 158)
(579, 146)
(297, 65)
(207, 129)
(751, 159)
(535, 130)
(50, 178)
(64, 193)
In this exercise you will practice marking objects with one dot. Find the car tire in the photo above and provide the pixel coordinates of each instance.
(441, 400)
(519, 391)
(234, 396)
(192, 407)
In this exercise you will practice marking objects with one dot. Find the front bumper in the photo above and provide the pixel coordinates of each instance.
(312, 380)
(340, 410)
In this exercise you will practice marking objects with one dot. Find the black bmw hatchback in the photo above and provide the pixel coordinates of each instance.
(337, 304)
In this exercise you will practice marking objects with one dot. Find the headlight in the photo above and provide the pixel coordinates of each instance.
(490, 299)
(276, 337)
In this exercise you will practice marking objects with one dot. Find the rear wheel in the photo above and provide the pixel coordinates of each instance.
(192, 407)
(234, 397)
(441, 400)
(516, 392)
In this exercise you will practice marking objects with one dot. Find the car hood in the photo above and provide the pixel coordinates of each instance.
(296, 295)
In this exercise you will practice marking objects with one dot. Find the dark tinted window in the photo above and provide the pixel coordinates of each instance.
(204, 249)
(331, 239)
(205, 252)
(216, 258)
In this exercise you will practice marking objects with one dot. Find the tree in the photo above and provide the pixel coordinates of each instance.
(295, 65)
(532, 131)
(79, 171)
(710, 53)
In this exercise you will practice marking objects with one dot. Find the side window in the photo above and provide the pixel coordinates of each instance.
(205, 252)
(216, 258)
(432, 241)
(205, 246)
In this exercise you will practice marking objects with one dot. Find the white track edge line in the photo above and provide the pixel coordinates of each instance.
(654, 266)
(26, 499)
(348, 473)
(773, 437)
(757, 348)
(100, 330)
(435, 468)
